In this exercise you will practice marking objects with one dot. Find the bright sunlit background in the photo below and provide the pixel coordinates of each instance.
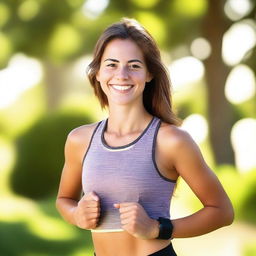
(45, 49)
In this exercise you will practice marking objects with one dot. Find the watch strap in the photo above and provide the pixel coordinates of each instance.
(165, 228)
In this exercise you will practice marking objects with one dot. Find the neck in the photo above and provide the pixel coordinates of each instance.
(123, 119)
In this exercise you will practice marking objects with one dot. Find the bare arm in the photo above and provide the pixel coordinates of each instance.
(217, 209)
(81, 212)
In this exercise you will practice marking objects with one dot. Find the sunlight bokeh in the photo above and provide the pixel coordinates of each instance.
(240, 85)
(153, 23)
(6, 47)
(236, 9)
(64, 42)
(145, 4)
(243, 138)
(92, 9)
(201, 48)
(4, 14)
(185, 71)
(28, 9)
(21, 74)
(196, 125)
(190, 8)
(237, 41)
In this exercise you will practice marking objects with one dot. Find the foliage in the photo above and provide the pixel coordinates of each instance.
(40, 154)
(61, 31)
(35, 229)
(250, 249)
(241, 189)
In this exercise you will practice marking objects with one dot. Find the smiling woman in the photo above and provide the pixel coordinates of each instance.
(127, 165)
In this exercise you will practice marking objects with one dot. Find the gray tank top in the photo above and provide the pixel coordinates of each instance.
(126, 174)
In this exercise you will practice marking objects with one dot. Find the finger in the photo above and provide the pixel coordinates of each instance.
(127, 215)
(92, 216)
(91, 210)
(125, 221)
(89, 204)
(128, 208)
(127, 204)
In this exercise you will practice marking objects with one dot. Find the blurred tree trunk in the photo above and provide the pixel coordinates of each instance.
(215, 24)
(55, 83)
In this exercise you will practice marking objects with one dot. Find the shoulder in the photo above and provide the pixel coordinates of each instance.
(81, 133)
(177, 143)
(78, 140)
(179, 147)
(173, 136)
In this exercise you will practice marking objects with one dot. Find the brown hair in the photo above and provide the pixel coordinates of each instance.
(157, 93)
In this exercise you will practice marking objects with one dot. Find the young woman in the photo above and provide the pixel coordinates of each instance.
(128, 164)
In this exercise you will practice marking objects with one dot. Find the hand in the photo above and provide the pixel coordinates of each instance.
(87, 212)
(136, 222)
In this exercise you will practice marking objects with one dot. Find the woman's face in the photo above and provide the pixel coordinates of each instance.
(123, 72)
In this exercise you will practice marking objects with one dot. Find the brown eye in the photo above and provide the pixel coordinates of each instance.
(134, 66)
(111, 65)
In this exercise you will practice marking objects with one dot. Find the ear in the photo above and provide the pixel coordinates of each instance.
(149, 77)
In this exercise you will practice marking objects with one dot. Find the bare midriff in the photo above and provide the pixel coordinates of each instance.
(124, 244)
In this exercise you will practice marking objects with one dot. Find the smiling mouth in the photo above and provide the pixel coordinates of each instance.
(121, 88)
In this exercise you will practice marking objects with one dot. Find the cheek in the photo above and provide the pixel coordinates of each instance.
(141, 78)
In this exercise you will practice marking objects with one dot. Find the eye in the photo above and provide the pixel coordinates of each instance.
(134, 66)
(111, 65)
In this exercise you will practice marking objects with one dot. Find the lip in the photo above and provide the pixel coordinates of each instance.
(121, 85)
(121, 91)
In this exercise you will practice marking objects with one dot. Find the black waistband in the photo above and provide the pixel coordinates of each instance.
(167, 251)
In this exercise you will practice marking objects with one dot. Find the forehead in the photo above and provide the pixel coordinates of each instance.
(122, 49)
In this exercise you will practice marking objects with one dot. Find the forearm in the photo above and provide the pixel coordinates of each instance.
(66, 209)
(204, 221)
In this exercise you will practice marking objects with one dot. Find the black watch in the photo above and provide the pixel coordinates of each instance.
(165, 228)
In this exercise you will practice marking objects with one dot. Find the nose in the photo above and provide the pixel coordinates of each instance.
(122, 73)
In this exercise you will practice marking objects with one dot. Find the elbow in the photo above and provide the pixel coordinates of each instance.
(228, 215)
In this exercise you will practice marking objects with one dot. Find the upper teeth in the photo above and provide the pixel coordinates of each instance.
(121, 88)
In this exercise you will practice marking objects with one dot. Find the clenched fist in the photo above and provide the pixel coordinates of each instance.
(87, 212)
(136, 222)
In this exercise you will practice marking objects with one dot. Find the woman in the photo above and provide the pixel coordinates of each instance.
(128, 164)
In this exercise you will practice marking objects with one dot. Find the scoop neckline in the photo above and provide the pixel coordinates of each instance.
(126, 145)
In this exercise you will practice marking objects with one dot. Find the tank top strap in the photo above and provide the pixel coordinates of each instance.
(98, 131)
(150, 134)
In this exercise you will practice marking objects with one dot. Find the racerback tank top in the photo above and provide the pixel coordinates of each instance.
(126, 174)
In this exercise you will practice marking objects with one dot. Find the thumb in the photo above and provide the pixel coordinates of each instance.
(91, 196)
(94, 196)
(116, 206)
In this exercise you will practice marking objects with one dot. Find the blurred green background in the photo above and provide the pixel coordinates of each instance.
(45, 47)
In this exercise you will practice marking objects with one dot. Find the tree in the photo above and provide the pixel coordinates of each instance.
(220, 113)
(58, 32)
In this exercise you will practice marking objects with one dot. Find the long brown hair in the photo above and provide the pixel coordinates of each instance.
(157, 93)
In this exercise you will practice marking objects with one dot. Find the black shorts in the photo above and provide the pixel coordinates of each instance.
(167, 251)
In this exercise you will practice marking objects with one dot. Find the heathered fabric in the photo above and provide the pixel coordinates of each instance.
(126, 174)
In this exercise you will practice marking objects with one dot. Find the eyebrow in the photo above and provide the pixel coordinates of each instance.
(129, 61)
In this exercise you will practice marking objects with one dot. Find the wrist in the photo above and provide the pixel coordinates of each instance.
(155, 229)
(165, 229)
(73, 217)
